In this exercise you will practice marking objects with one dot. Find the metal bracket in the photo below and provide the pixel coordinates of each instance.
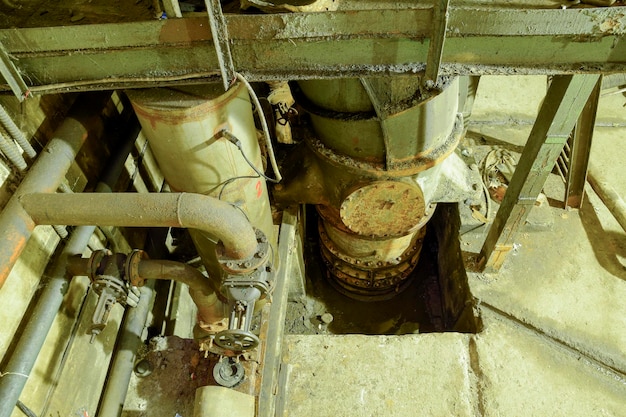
(435, 47)
(12, 75)
(220, 41)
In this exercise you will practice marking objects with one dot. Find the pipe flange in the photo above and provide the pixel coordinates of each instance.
(131, 268)
(365, 263)
(95, 262)
(384, 209)
(331, 216)
(248, 265)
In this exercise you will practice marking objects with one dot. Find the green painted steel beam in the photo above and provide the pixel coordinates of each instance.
(566, 98)
(320, 45)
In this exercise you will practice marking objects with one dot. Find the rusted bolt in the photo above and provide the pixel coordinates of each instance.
(247, 264)
(230, 264)
(398, 259)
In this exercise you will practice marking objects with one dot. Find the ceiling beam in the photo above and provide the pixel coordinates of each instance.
(319, 45)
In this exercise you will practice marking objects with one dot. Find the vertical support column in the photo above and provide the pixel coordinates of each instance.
(579, 152)
(565, 99)
(437, 39)
(220, 41)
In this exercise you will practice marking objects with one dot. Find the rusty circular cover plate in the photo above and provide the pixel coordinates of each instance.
(384, 208)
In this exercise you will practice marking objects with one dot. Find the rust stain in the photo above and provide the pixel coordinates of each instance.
(18, 241)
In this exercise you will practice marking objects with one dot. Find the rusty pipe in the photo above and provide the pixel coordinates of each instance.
(46, 175)
(194, 211)
(210, 309)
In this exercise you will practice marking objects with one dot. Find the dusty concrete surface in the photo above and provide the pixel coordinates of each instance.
(356, 375)
(507, 370)
(523, 373)
(567, 280)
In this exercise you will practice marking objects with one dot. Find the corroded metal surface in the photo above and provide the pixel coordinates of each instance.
(379, 276)
(383, 208)
(194, 211)
(404, 131)
(296, 46)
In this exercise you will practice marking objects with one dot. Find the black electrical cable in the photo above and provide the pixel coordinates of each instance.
(233, 139)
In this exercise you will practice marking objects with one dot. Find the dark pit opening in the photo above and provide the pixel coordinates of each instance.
(438, 298)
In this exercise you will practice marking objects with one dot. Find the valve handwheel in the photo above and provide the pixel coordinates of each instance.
(236, 340)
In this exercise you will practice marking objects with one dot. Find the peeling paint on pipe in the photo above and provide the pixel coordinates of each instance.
(46, 175)
(194, 211)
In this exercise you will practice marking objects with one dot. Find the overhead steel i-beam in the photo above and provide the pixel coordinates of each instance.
(318, 45)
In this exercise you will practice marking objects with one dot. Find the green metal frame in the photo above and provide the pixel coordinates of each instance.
(580, 149)
(564, 102)
(320, 45)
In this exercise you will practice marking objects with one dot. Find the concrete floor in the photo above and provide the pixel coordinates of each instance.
(554, 340)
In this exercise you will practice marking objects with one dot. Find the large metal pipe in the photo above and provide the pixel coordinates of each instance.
(46, 174)
(34, 334)
(195, 211)
(32, 338)
(116, 386)
(183, 127)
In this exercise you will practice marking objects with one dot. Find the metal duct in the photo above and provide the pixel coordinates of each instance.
(183, 128)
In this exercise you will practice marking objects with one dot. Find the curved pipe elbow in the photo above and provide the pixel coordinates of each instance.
(196, 211)
(228, 223)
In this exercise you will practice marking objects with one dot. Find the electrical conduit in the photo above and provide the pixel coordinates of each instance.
(16, 133)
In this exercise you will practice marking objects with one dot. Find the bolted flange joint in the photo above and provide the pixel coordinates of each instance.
(248, 265)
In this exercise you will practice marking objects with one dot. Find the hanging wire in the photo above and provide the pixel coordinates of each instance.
(266, 131)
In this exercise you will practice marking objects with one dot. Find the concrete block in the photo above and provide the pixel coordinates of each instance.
(524, 374)
(356, 375)
(557, 281)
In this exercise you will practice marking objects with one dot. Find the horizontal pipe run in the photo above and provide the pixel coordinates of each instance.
(35, 332)
(210, 309)
(195, 211)
(46, 175)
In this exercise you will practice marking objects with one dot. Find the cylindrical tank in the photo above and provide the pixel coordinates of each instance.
(182, 126)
